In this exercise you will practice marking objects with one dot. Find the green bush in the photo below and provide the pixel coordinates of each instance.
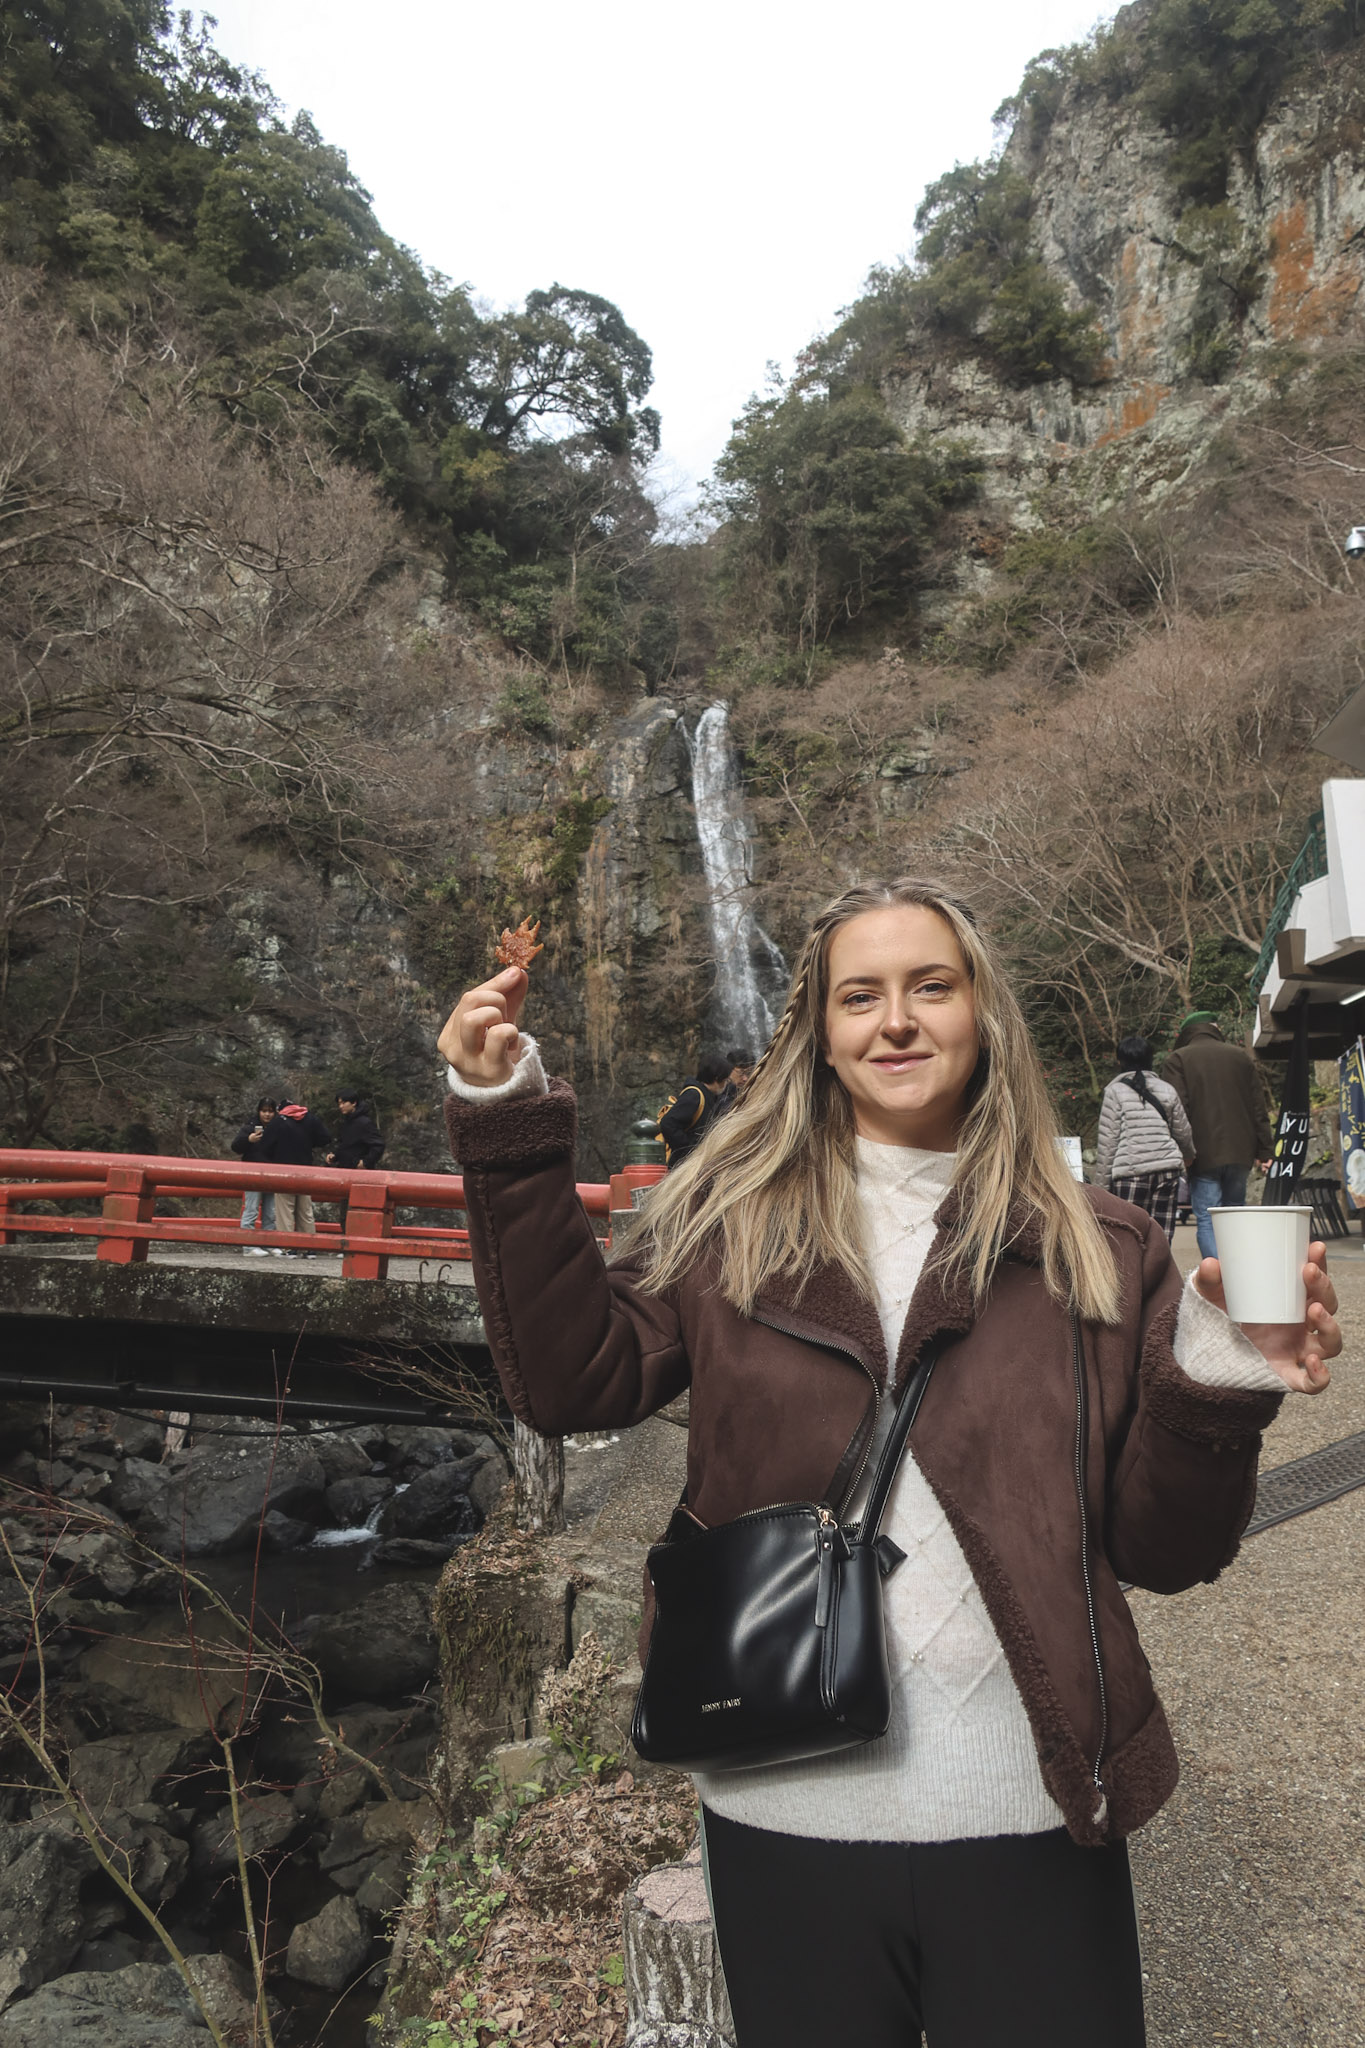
(980, 280)
(828, 510)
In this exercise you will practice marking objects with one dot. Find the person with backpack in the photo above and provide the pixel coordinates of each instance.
(739, 1061)
(687, 1116)
(1145, 1137)
(888, 1192)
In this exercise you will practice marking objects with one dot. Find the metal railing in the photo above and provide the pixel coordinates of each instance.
(129, 1186)
(1309, 865)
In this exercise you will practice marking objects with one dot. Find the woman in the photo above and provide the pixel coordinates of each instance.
(1145, 1140)
(256, 1207)
(890, 1173)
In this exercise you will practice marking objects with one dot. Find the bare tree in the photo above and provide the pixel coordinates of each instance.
(182, 632)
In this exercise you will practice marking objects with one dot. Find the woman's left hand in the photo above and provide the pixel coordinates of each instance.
(1297, 1351)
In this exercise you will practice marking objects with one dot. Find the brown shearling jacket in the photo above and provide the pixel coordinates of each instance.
(783, 1405)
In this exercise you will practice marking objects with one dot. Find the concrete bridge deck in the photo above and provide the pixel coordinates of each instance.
(205, 1328)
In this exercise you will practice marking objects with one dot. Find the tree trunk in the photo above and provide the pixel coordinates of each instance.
(538, 1466)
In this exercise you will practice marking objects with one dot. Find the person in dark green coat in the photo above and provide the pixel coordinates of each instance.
(1222, 1096)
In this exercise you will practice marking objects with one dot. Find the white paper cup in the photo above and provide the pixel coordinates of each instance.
(1262, 1254)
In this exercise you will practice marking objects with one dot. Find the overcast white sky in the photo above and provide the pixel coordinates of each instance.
(726, 172)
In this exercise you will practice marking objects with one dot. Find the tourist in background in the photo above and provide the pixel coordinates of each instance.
(1145, 1138)
(688, 1117)
(290, 1139)
(740, 1061)
(358, 1140)
(1220, 1090)
(889, 1177)
(257, 1209)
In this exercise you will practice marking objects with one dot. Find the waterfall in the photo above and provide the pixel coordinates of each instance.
(749, 967)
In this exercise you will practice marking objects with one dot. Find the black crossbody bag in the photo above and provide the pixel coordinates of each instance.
(769, 1638)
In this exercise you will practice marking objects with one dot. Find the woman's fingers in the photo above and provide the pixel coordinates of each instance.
(1317, 1280)
(501, 1047)
(480, 1038)
(1208, 1281)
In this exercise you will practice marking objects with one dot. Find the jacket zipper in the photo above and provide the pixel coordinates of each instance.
(1082, 1437)
(828, 1344)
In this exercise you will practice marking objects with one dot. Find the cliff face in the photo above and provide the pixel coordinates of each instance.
(1200, 312)
(597, 838)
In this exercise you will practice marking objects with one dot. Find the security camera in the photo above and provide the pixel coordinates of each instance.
(1355, 541)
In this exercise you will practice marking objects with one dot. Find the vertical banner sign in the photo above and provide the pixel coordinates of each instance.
(1291, 1132)
(1351, 1067)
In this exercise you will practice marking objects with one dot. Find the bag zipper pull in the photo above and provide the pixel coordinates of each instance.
(824, 1586)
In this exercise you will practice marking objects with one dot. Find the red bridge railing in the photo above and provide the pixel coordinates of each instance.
(128, 1187)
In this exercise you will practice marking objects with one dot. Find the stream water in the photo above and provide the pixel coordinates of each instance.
(751, 974)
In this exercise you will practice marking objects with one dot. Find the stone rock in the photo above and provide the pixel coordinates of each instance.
(486, 1475)
(143, 2006)
(154, 1860)
(340, 1456)
(41, 1870)
(343, 1793)
(123, 1771)
(417, 1553)
(328, 1950)
(168, 1677)
(382, 1647)
(268, 1821)
(436, 1503)
(675, 1988)
(384, 1886)
(137, 1436)
(213, 1495)
(499, 1630)
(539, 1760)
(415, 1447)
(352, 1500)
(346, 1844)
(112, 1951)
(139, 1493)
(225, 1988)
(284, 1532)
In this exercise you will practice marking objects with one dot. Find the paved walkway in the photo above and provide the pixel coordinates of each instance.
(1251, 1882)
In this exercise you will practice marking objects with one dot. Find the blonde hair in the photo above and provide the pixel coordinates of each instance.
(773, 1185)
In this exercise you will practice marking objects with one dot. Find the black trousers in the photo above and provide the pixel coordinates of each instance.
(1020, 1941)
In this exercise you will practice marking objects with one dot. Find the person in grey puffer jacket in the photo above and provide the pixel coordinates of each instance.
(1145, 1137)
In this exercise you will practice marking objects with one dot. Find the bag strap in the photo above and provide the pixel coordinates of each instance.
(1136, 1083)
(907, 1408)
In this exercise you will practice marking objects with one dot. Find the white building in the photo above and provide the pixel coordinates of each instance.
(1315, 941)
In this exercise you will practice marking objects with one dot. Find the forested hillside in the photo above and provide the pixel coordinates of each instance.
(338, 625)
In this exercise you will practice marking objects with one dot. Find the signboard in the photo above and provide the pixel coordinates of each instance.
(1291, 1132)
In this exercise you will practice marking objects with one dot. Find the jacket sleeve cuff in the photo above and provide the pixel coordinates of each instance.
(1215, 1352)
(528, 1078)
(1224, 1417)
(518, 1130)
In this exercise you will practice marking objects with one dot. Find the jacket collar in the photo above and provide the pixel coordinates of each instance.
(830, 1310)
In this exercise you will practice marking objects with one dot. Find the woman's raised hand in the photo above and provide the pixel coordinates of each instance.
(481, 1040)
(1298, 1351)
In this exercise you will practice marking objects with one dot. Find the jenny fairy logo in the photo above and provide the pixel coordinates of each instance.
(716, 1706)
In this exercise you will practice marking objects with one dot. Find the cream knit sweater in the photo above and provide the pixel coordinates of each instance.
(958, 1759)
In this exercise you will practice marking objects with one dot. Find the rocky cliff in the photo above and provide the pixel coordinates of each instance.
(1204, 310)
